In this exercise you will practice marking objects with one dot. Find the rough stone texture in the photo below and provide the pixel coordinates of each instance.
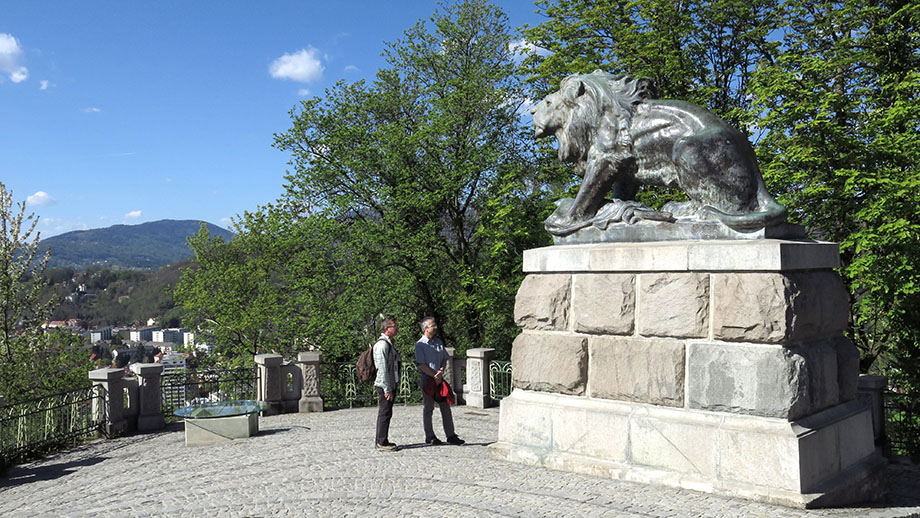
(604, 303)
(674, 304)
(550, 362)
(637, 369)
(778, 308)
(772, 381)
(542, 302)
(825, 459)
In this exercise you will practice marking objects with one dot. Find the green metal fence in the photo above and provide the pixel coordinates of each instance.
(34, 428)
(181, 388)
(499, 379)
(902, 424)
(340, 387)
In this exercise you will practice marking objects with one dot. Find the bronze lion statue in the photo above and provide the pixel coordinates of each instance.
(620, 137)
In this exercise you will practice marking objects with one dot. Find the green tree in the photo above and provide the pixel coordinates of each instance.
(423, 168)
(32, 362)
(842, 146)
(409, 196)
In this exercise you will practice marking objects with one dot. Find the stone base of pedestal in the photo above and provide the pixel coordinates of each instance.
(149, 423)
(204, 432)
(826, 459)
(311, 404)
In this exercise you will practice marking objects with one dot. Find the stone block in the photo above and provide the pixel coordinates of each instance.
(604, 303)
(771, 381)
(542, 302)
(550, 362)
(778, 308)
(847, 368)
(204, 432)
(591, 431)
(674, 304)
(637, 369)
(678, 443)
(760, 457)
(524, 423)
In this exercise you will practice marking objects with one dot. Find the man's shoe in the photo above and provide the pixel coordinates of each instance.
(434, 441)
(453, 439)
(387, 446)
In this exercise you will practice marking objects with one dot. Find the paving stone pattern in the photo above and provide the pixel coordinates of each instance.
(324, 464)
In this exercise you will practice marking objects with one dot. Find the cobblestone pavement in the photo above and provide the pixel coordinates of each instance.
(325, 464)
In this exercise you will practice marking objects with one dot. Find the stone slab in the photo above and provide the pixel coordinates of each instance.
(604, 303)
(825, 460)
(205, 432)
(767, 255)
(550, 362)
(636, 369)
(542, 302)
(673, 305)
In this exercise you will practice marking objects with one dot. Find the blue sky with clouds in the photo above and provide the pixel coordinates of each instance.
(117, 112)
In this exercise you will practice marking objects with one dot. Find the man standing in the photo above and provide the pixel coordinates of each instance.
(431, 358)
(385, 359)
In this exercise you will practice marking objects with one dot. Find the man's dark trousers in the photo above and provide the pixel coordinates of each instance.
(384, 413)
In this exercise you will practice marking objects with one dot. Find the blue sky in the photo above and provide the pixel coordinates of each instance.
(126, 112)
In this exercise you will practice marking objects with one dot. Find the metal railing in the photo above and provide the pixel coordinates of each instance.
(902, 424)
(340, 388)
(181, 388)
(34, 428)
(499, 379)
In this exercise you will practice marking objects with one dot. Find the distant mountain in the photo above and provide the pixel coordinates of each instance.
(146, 246)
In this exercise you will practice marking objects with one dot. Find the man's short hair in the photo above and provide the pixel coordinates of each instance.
(386, 323)
(426, 323)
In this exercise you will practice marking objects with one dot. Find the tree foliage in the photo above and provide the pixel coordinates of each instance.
(842, 146)
(32, 362)
(408, 196)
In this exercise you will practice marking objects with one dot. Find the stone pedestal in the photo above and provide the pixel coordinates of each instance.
(205, 432)
(149, 413)
(477, 375)
(311, 399)
(712, 365)
(271, 386)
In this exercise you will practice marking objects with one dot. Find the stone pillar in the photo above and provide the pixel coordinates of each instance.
(872, 391)
(477, 377)
(270, 382)
(719, 366)
(310, 399)
(113, 407)
(150, 414)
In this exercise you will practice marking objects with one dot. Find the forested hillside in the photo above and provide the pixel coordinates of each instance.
(101, 297)
(140, 247)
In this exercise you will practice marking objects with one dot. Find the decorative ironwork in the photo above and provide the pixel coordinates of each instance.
(34, 428)
(902, 424)
(340, 388)
(184, 387)
(499, 379)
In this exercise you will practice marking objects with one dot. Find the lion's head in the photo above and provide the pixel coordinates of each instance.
(585, 105)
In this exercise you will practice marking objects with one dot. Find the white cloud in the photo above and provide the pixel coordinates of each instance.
(524, 48)
(303, 66)
(303, 92)
(352, 68)
(91, 109)
(10, 52)
(44, 84)
(134, 214)
(40, 198)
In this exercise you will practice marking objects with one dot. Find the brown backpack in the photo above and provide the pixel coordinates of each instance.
(365, 368)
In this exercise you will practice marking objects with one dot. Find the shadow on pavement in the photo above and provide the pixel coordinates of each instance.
(18, 476)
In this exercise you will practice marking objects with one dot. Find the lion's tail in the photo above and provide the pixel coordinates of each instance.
(771, 213)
